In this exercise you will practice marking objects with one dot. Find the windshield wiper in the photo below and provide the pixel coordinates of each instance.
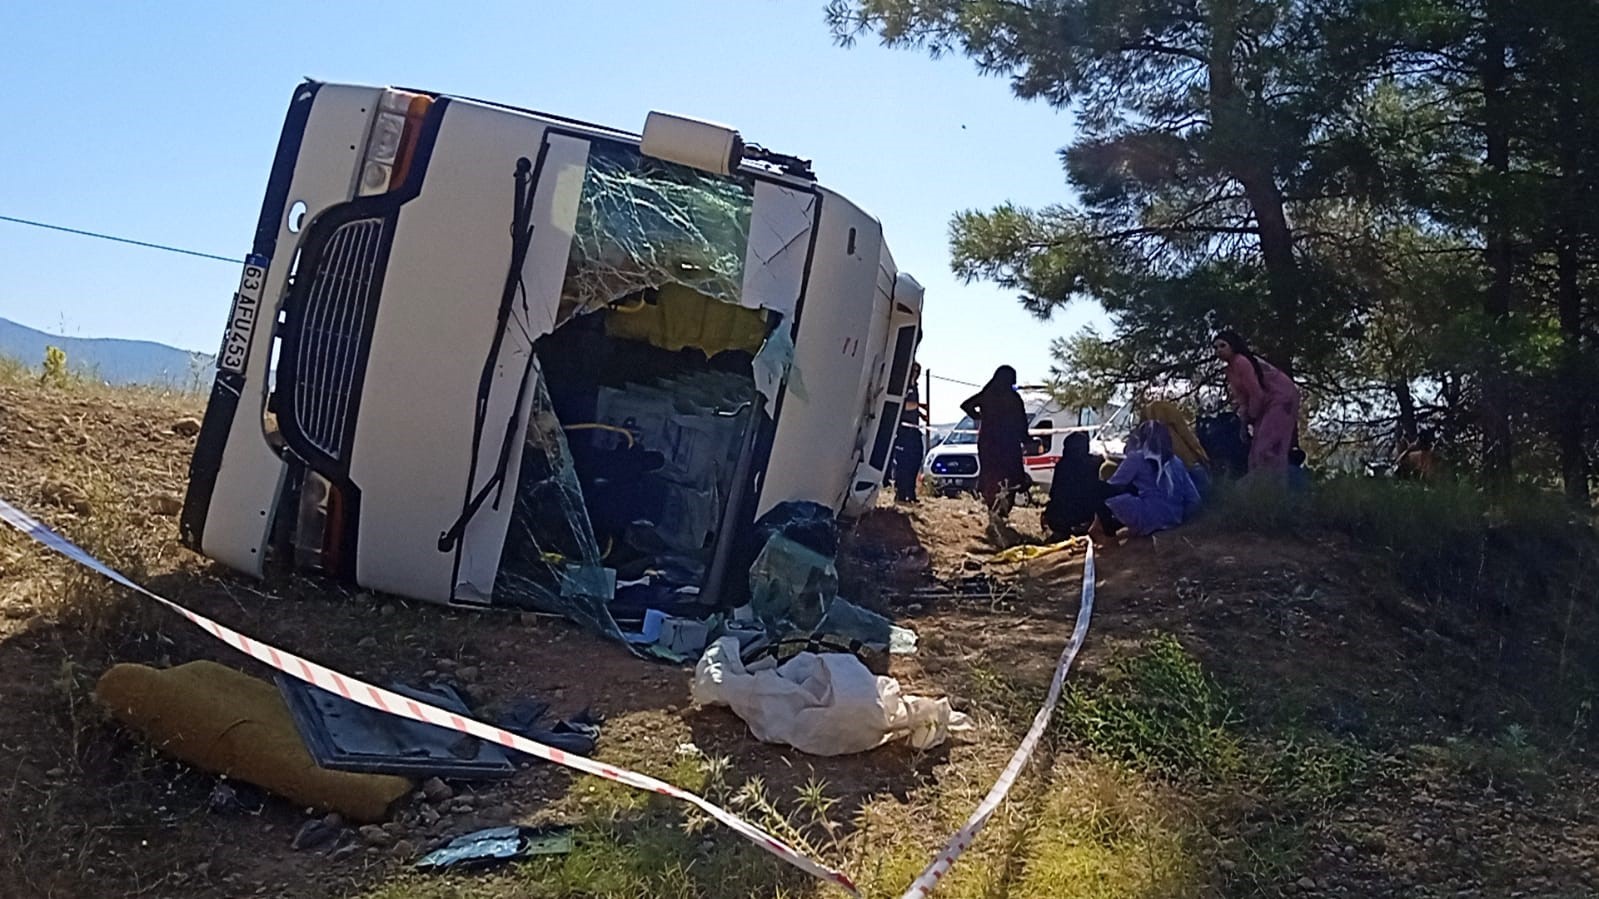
(521, 241)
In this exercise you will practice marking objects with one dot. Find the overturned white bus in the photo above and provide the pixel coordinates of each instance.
(485, 355)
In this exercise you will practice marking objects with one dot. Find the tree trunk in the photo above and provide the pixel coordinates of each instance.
(1237, 136)
(1573, 393)
(1409, 429)
(1277, 251)
(1573, 430)
(1497, 450)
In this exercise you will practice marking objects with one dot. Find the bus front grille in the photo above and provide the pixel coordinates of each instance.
(330, 339)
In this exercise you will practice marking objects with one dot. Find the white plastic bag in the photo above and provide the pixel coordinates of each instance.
(822, 704)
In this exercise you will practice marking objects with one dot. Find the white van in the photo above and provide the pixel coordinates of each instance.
(952, 467)
(476, 345)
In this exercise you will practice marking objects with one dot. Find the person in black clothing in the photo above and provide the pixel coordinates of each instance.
(909, 447)
(1077, 495)
(1222, 437)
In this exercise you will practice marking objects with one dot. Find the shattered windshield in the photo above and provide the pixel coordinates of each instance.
(643, 223)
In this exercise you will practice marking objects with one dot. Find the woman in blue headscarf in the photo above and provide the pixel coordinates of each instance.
(1158, 493)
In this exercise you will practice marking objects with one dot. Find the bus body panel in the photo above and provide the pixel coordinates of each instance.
(814, 451)
(435, 324)
(250, 475)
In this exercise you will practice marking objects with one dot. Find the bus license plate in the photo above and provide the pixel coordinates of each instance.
(241, 321)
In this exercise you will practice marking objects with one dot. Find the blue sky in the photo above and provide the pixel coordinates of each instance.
(158, 122)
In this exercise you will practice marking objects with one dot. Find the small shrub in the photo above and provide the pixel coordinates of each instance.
(54, 373)
(1312, 771)
(1159, 711)
(1507, 759)
(14, 371)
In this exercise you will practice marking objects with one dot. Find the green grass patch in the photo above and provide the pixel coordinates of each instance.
(1312, 772)
(1105, 833)
(1508, 760)
(1451, 541)
(1160, 712)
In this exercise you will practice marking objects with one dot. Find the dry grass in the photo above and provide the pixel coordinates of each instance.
(1073, 827)
(1151, 784)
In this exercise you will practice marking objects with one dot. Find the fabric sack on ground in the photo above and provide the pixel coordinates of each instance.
(822, 704)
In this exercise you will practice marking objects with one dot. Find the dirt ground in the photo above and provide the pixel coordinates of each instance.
(1294, 627)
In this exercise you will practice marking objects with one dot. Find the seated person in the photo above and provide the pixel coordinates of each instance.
(1158, 493)
(1076, 495)
(1185, 443)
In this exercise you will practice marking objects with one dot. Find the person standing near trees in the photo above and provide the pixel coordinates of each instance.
(1267, 402)
(1001, 434)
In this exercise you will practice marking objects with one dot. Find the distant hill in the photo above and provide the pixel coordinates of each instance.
(108, 359)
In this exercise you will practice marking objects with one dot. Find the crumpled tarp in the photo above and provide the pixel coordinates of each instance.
(821, 704)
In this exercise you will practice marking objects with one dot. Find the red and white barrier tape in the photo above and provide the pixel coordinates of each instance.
(962, 840)
(395, 704)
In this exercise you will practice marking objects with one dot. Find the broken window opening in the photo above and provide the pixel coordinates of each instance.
(646, 397)
(650, 405)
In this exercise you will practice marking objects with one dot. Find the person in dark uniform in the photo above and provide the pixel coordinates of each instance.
(909, 446)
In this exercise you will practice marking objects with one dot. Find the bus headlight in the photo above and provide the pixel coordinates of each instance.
(375, 178)
(391, 142)
(387, 133)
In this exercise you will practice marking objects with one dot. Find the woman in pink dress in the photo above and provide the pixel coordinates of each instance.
(1267, 402)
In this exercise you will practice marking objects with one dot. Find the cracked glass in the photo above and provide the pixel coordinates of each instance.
(643, 223)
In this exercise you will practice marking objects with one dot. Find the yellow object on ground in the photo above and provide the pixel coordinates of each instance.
(1184, 442)
(230, 723)
(684, 318)
(1027, 552)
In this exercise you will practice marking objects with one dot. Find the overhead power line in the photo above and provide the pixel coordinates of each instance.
(137, 243)
(953, 381)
